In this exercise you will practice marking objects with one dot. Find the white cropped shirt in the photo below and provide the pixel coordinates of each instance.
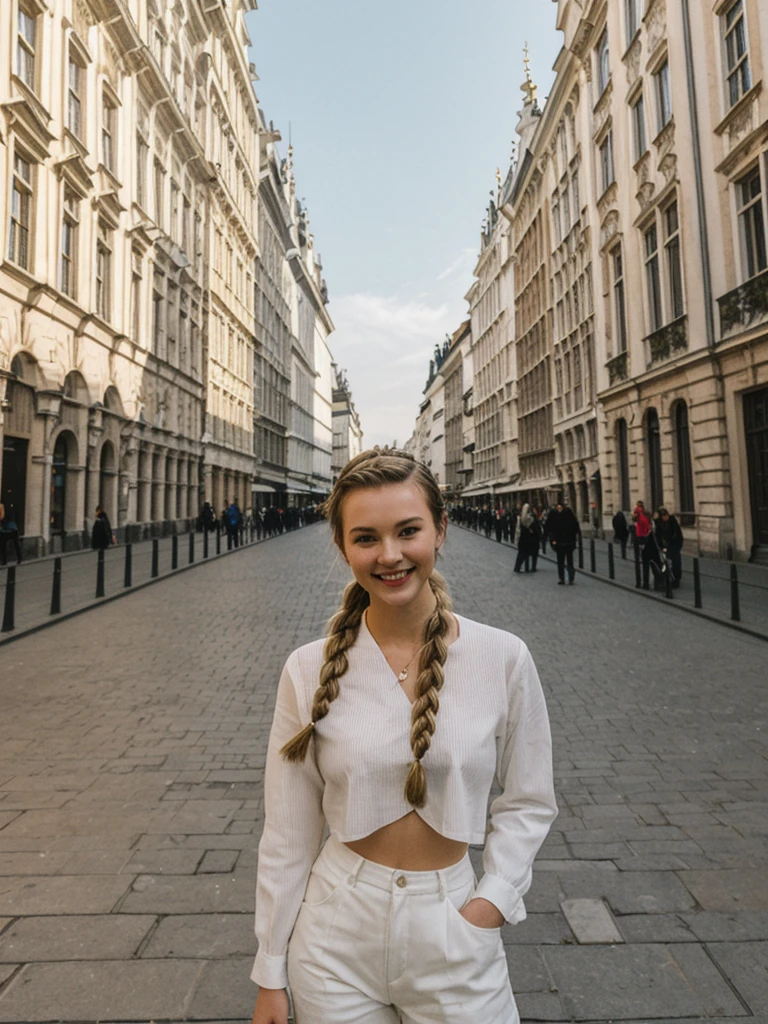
(492, 723)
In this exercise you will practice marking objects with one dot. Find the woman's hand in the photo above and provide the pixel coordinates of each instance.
(271, 1006)
(482, 914)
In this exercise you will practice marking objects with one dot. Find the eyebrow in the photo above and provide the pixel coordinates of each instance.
(372, 529)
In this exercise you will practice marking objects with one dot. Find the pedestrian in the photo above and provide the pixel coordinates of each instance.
(233, 518)
(498, 523)
(621, 531)
(385, 922)
(669, 536)
(101, 534)
(523, 538)
(208, 517)
(644, 540)
(563, 531)
(536, 532)
(9, 534)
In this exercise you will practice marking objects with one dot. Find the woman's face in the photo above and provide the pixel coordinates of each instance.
(390, 540)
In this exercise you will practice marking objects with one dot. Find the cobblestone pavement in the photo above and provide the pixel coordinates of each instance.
(131, 753)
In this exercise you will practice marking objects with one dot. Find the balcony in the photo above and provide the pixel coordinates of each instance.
(618, 368)
(667, 340)
(745, 305)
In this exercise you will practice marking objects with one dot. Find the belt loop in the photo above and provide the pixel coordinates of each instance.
(441, 885)
(356, 873)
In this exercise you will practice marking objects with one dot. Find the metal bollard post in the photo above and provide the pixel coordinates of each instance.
(696, 584)
(10, 600)
(592, 559)
(611, 565)
(205, 543)
(735, 611)
(56, 589)
(128, 575)
(218, 539)
(668, 581)
(581, 551)
(174, 552)
(191, 548)
(155, 558)
(638, 582)
(100, 574)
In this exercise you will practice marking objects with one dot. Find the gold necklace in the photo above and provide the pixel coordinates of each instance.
(403, 675)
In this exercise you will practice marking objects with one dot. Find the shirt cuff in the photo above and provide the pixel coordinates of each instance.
(504, 896)
(270, 971)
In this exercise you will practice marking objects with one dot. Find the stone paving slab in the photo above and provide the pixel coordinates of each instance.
(60, 894)
(743, 926)
(211, 936)
(224, 991)
(746, 964)
(26, 863)
(94, 991)
(625, 982)
(180, 894)
(740, 889)
(98, 937)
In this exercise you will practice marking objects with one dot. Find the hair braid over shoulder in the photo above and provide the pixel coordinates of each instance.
(342, 633)
(428, 686)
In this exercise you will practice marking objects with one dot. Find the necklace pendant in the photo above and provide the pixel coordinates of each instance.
(403, 675)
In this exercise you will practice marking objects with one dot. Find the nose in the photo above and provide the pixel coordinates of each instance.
(390, 551)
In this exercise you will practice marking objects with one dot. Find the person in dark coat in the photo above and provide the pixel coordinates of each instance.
(525, 539)
(498, 523)
(621, 531)
(669, 537)
(9, 533)
(101, 534)
(563, 531)
(233, 519)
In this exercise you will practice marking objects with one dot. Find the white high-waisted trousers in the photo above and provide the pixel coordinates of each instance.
(375, 945)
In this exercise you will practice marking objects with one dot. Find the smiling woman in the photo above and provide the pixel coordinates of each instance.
(393, 925)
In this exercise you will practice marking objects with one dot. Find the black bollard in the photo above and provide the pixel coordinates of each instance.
(191, 548)
(668, 582)
(128, 575)
(696, 584)
(155, 559)
(56, 589)
(174, 552)
(592, 559)
(218, 539)
(638, 582)
(581, 551)
(611, 565)
(10, 600)
(100, 574)
(735, 610)
(205, 543)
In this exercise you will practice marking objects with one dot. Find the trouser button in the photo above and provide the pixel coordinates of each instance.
(401, 881)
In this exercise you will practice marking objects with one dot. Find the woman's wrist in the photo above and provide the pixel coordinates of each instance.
(482, 913)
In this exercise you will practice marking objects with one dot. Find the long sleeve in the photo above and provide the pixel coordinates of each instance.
(290, 842)
(522, 815)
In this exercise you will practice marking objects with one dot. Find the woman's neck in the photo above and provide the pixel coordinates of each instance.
(400, 625)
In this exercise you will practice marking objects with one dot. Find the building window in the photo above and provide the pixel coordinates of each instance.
(159, 194)
(157, 316)
(653, 448)
(69, 232)
(653, 278)
(136, 278)
(738, 74)
(142, 155)
(684, 466)
(603, 62)
(174, 232)
(663, 96)
(631, 19)
(622, 456)
(21, 212)
(751, 222)
(619, 300)
(26, 51)
(606, 161)
(75, 97)
(104, 272)
(638, 126)
(108, 133)
(674, 264)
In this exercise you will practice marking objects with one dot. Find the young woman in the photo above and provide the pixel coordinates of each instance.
(391, 732)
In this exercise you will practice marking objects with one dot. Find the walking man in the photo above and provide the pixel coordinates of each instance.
(232, 521)
(563, 530)
(621, 531)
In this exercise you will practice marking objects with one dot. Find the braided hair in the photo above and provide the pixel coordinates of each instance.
(376, 468)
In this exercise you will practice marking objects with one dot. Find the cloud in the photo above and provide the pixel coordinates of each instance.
(464, 262)
(385, 343)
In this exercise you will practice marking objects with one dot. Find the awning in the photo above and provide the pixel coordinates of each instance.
(295, 488)
(263, 489)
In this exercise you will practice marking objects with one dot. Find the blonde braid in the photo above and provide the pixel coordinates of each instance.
(342, 633)
(428, 686)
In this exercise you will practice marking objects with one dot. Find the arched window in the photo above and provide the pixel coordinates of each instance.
(686, 503)
(107, 479)
(622, 459)
(59, 484)
(653, 448)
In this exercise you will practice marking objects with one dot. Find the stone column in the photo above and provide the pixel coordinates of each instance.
(144, 504)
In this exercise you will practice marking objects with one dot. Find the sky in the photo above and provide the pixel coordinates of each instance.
(399, 114)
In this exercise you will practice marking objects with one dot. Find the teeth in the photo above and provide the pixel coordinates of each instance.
(396, 576)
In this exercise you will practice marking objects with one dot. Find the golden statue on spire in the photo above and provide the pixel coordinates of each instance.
(528, 86)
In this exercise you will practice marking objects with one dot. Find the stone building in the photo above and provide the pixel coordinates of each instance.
(347, 431)
(452, 372)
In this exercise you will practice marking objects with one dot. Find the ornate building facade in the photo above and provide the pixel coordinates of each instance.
(347, 431)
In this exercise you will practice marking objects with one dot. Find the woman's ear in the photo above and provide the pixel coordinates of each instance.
(441, 531)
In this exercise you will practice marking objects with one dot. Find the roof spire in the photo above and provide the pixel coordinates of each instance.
(528, 86)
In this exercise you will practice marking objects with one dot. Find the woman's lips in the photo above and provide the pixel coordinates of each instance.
(396, 579)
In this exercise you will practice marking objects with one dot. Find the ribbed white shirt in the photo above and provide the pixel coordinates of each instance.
(492, 723)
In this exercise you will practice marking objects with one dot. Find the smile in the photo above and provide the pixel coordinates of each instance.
(393, 577)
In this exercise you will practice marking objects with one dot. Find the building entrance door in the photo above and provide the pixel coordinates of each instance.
(14, 490)
(756, 427)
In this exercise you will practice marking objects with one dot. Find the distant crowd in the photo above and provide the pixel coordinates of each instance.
(268, 521)
(657, 537)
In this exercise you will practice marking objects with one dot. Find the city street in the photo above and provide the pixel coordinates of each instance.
(132, 741)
